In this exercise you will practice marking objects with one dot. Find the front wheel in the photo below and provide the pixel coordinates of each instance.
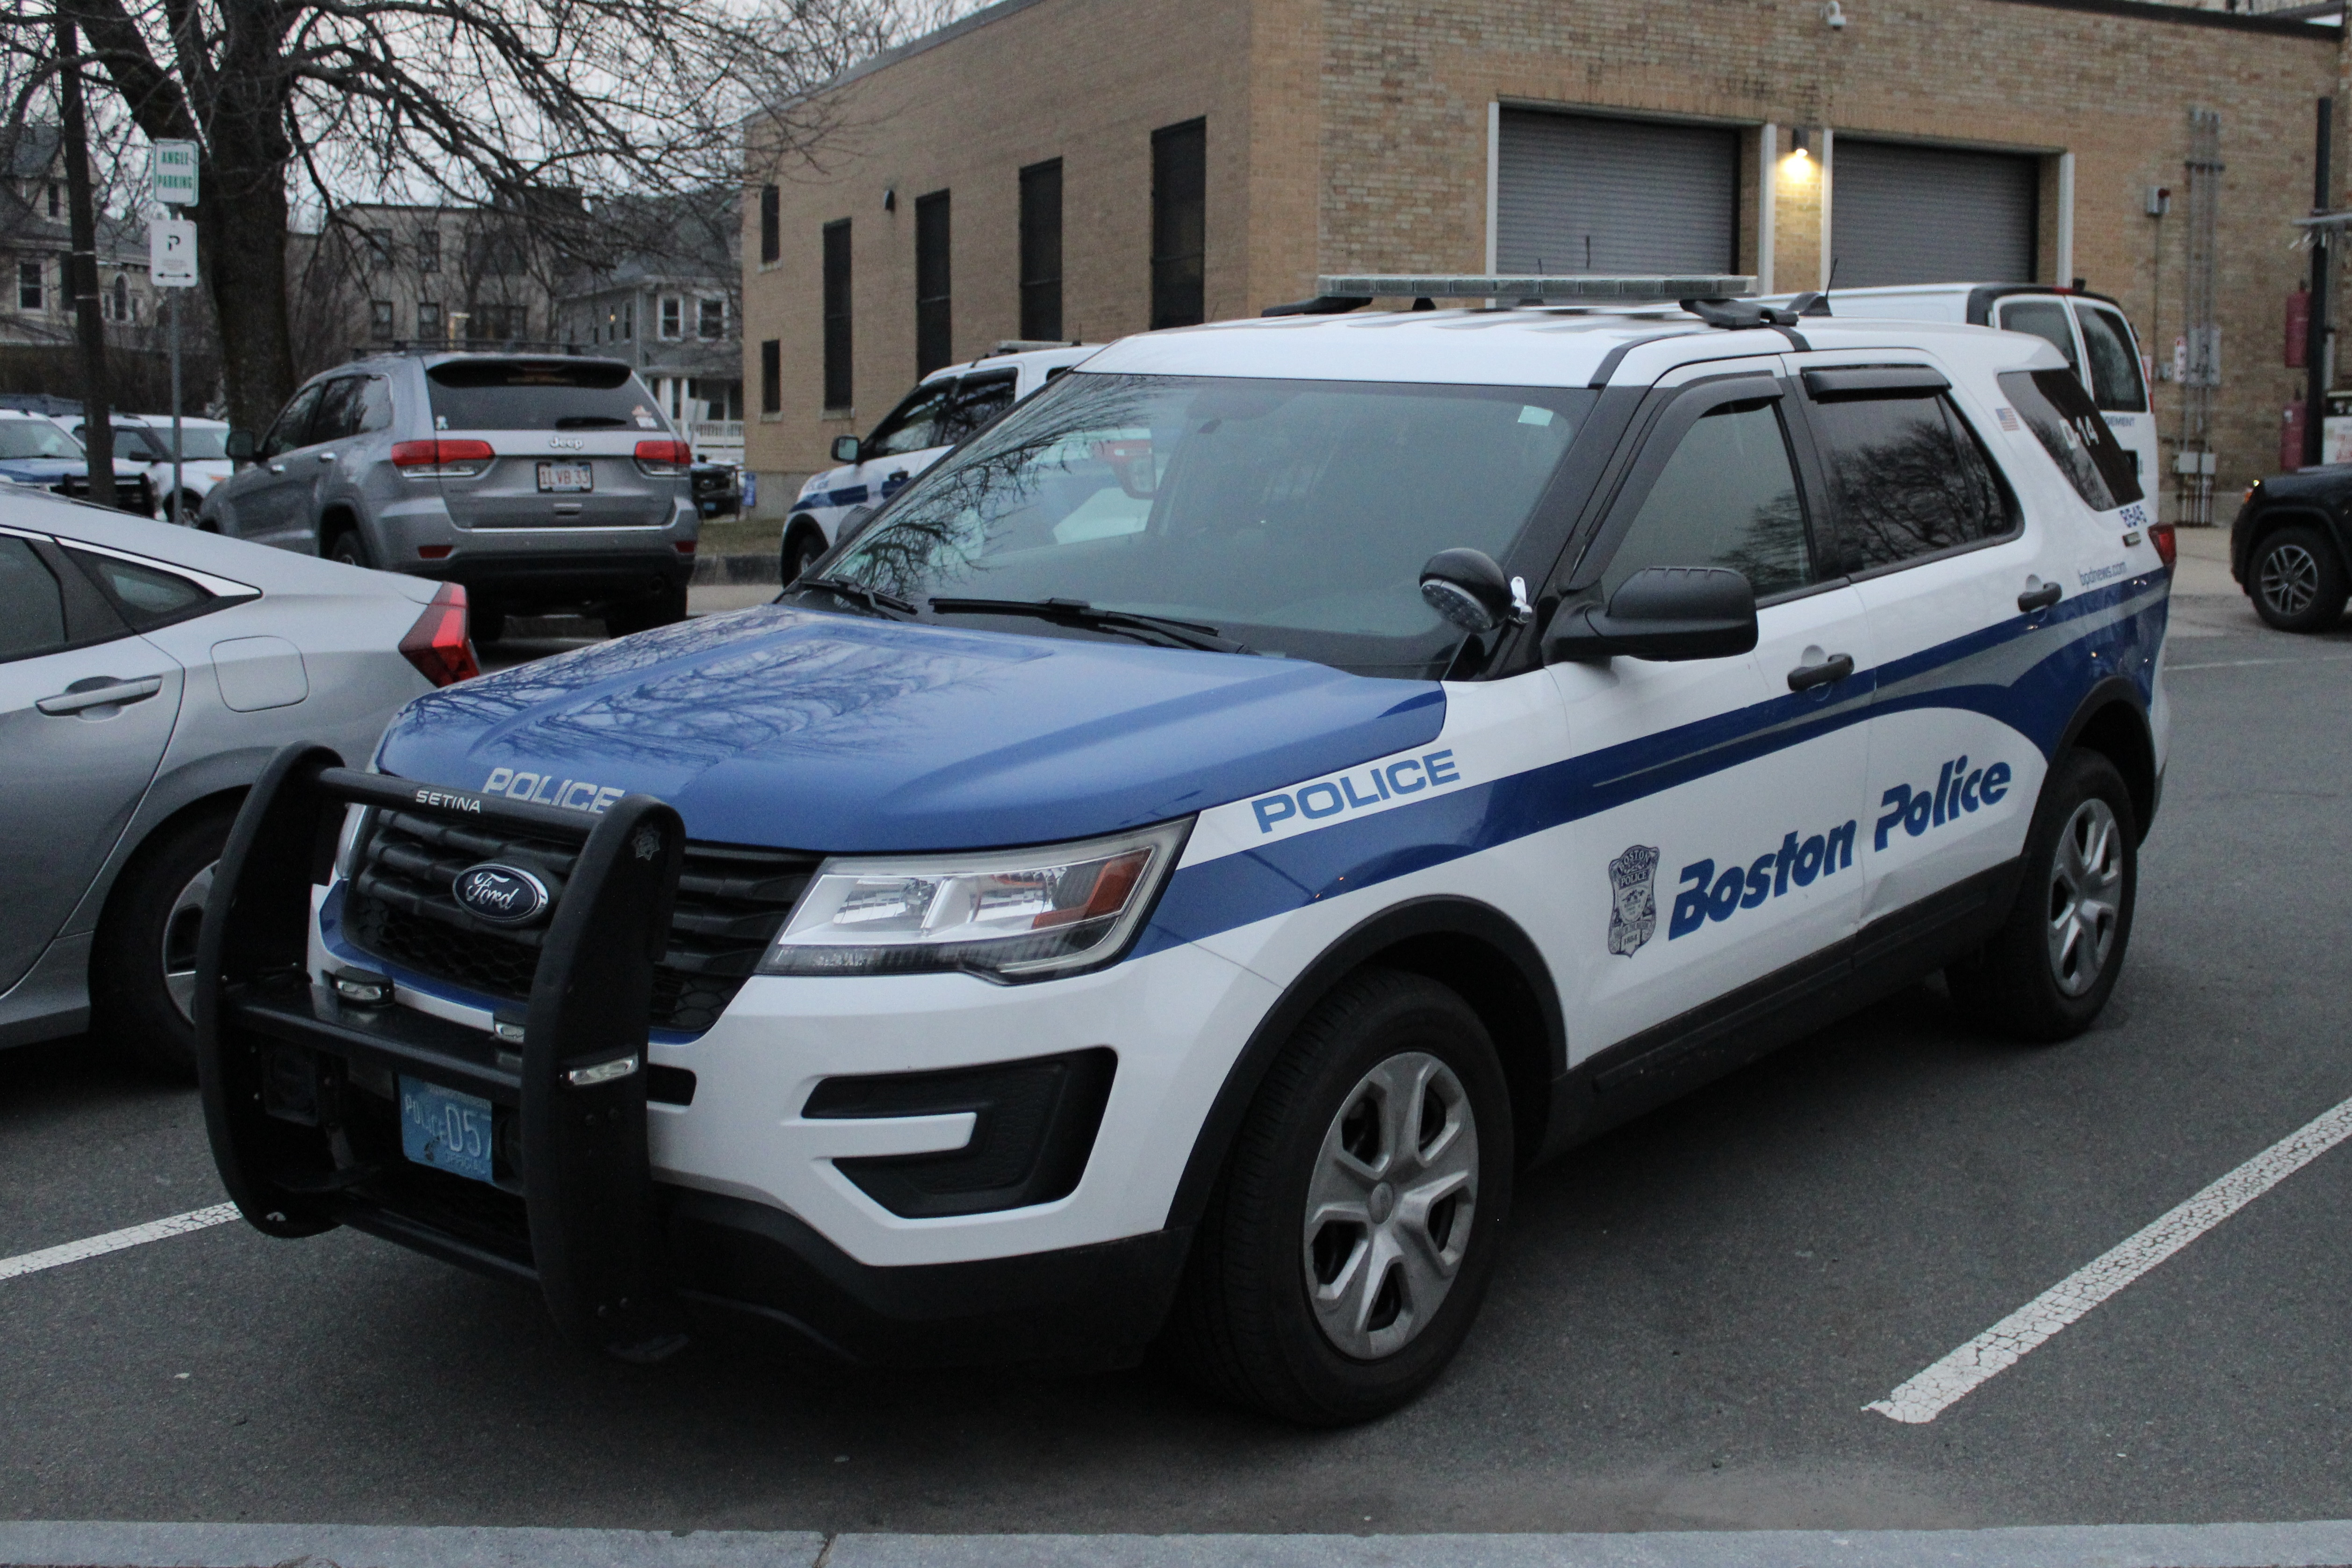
(801, 549)
(2298, 580)
(1351, 1237)
(2050, 969)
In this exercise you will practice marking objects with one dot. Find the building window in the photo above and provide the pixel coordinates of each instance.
(772, 378)
(710, 319)
(31, 285)
(771, 224)
(499, 323)
(1180, 188)
(934, 322)
(621, 321)
(118, 300)
(429, 320)
(379, 246)
(673, 316)
(380, 319)
(56, 203)
(835, 307)
(1041, 251)
(429, 250)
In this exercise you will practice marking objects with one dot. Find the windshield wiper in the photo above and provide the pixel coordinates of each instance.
(1160, 629)
(887, 606)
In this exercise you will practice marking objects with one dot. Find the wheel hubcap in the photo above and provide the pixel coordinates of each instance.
(182, 928)
(2086, 886)
(1389, 1207)
(2290, 579)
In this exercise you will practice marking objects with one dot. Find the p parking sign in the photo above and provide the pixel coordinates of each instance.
(172, 173)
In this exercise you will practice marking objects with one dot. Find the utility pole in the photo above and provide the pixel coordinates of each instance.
(2314, 353)
(81, 270)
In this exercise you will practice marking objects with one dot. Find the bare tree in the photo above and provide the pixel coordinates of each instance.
(491, 102)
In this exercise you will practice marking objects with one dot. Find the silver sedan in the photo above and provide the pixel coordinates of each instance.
(147, 674)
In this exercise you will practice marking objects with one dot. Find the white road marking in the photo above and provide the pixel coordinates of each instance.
(115, 1240)
(2002, 1346)
(2250, 663)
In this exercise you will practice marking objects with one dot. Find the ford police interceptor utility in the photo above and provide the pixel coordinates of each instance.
(1165, 879)
(946, 406)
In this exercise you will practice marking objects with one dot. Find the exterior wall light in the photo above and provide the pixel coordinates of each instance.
(1833, 14)
(1800, 143)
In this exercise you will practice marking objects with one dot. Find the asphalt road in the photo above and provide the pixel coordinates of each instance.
(1691, 1316)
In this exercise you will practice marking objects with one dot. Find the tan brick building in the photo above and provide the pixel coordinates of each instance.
(1255, 144)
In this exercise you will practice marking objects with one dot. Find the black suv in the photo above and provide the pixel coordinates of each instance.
(2290, 546)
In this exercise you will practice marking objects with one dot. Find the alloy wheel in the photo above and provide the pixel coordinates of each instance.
(2290, 579)
(2085, 886)
(181, 929)
(1389, 1206)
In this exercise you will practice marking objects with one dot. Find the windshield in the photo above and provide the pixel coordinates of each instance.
(1292, 516)
(36, 438)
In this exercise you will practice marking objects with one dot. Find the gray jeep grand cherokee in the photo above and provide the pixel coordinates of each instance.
(538, 481)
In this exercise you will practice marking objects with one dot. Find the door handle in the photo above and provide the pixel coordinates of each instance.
(1805, 677)
(326, 456)
(2040, 598)
(107, 692)
(276, 468)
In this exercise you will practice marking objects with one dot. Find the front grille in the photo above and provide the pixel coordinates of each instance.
(731, 902)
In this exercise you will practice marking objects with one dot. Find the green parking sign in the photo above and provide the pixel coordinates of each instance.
(172, 170)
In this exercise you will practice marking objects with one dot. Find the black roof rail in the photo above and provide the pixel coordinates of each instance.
(465, 345)
(1338, 293)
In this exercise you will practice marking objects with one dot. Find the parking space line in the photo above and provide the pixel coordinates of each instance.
(2002, 1346)
(115, 1240)
(2250, 663)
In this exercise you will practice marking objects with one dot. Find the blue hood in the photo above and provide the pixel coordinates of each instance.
(797, 729)
(40, 471)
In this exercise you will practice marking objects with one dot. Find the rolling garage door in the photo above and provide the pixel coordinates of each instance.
(1575, 193)
(1932, 214)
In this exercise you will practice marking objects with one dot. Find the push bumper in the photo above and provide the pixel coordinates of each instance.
(301, 1100)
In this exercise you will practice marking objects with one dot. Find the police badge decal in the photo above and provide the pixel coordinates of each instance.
(1633, 916)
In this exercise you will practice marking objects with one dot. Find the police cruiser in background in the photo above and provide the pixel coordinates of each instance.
(1167, 877)
(946, 406)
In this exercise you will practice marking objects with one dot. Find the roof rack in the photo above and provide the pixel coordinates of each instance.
(1336, 294)
(465, 345)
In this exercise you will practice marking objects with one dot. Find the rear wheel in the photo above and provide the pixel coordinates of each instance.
(2051, 966)
(143, 966)
(2298, 580)
(663, 607)
(1352, 1234)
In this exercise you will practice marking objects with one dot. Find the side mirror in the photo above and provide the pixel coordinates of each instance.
(1664, 611)
(845, 448)
(239, 445)
(1469, 589)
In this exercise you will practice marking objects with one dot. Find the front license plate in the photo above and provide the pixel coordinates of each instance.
(446, 1130)
(566, 476)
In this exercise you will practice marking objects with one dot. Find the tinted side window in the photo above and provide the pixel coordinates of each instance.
(32, 610)
(1908, 477)
(147, 595)
(2046, 320)
(977, 400)
(1728, 497)
(2115, 369)
(338, 414)
(2058, 411)
(913, 425)
(289, 431)
(374, 406)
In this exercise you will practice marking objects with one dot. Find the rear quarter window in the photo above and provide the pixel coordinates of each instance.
(2054, 407)
(540, 394)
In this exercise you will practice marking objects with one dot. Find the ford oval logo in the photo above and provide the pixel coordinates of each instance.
(502, 895)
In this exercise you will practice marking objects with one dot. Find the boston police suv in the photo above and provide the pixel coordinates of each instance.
(1165, 879)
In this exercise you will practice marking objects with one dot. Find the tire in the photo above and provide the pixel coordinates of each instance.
(799, 552)
(664, 607)
(2047, 973)
(349, 548)
(2297, 580)
(1330, 1323)
(143, 964)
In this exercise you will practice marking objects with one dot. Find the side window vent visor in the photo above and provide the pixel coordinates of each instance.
(1875, 381)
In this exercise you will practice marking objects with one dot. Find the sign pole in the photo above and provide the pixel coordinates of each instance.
(172, 262)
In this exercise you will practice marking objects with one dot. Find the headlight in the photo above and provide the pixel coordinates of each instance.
(1008, 914)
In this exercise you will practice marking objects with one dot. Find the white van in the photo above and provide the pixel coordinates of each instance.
(2090, 330)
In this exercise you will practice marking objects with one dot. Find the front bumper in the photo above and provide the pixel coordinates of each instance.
(730, 1193)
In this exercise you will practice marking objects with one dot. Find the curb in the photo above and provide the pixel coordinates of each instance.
(742, 567)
